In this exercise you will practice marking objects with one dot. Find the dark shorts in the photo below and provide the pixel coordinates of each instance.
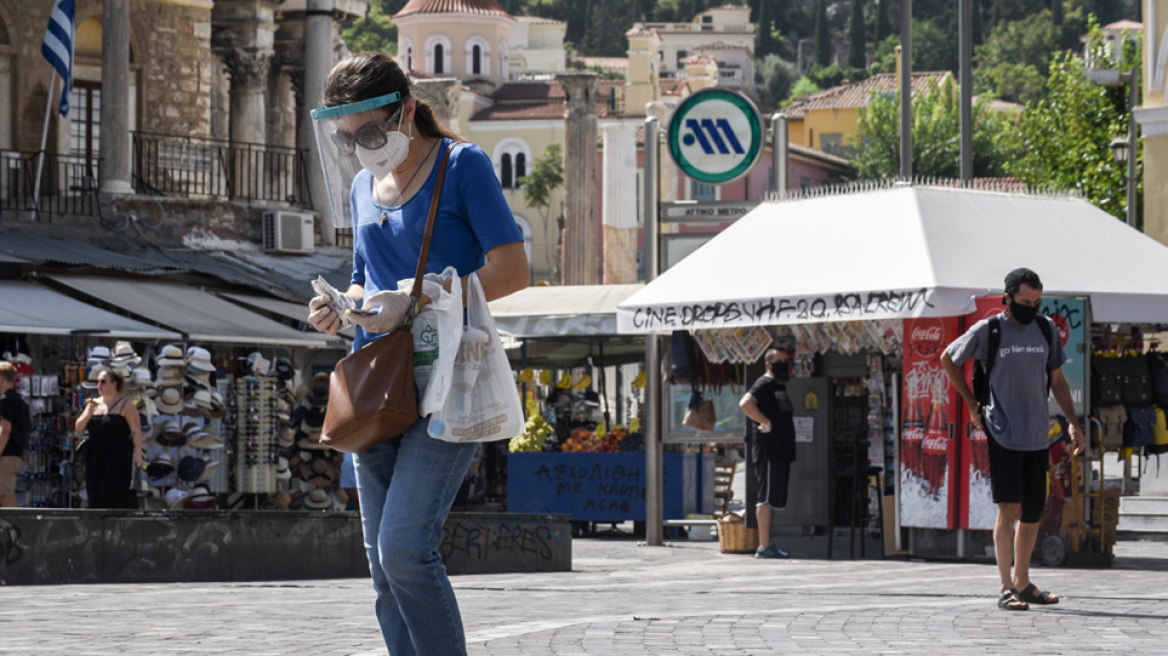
(1019, 477)
(770, 482)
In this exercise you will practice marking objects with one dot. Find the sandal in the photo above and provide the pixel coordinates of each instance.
(1031, 595)
(1010, 601)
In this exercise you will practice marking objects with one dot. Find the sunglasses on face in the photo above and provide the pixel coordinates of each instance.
(370, 136)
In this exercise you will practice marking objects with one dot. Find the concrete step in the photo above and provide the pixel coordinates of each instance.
(1143, 514)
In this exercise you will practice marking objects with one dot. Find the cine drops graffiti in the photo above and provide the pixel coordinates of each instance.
(866, 305)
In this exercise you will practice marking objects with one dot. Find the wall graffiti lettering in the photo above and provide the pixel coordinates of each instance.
(866, 305)
(484, 540)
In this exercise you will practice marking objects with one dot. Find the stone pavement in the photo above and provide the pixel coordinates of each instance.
(622, 598)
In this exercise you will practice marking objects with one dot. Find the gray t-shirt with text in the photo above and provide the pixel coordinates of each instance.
(1018, 415)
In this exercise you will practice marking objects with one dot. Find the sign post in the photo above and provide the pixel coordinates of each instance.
(716, 136)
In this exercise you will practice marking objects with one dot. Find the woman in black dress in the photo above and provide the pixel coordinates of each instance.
(115, 444)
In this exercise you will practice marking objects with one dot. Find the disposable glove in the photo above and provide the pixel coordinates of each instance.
(394, 306)
(430, 288)
(322, 317)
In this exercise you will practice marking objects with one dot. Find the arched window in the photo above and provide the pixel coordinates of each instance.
(506, 179)
(478, 56)
(436, 51)
(511, 156)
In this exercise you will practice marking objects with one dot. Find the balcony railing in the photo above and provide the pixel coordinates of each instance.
(193, 167)
(68, 183)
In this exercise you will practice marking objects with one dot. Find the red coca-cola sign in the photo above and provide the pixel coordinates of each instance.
(926, 337)
(1064, 330)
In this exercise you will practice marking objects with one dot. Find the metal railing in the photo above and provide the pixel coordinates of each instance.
(68, 183)
(216, 169)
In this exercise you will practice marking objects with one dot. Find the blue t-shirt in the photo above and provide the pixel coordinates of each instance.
(473, 217)
(1018, 414)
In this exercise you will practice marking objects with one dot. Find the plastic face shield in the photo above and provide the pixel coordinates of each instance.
(340, 131)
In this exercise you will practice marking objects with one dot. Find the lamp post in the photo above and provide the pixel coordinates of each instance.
(1125, 151)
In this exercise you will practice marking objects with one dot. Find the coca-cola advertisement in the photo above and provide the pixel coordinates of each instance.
(976, 507)
(928, 445)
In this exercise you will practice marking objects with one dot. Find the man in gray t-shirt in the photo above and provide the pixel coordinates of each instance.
(1016, 424)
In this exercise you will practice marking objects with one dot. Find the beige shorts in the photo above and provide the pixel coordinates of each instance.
(9, 468)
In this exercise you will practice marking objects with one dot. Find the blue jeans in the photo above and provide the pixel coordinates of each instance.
(406, 487)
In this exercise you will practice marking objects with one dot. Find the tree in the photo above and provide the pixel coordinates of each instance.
(802, 88)
(822, 35)
(857, 42)
(547, 175)
(775, 77)
(1014, 62)
(373, 32)
(936, 142)
(933, 49)
(883, 27)
(1065, 137)
(765, 40)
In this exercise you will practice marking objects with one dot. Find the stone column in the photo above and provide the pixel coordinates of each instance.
(249, 74)
(441, 94)
(620, 215)
(581, 238)
(115, 97)
(318, 61)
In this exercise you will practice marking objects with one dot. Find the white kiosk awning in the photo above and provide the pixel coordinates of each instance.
(898, 253)
(30, 308)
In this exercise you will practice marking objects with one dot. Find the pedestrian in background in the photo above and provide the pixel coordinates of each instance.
(406, 485)
(115, 444)
(15, 426)
(1016, 423)
(772, 444)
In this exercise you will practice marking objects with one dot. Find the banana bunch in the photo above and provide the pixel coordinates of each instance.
(533, 438)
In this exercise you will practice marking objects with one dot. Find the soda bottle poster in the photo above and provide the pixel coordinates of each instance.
(976, 506)
(928, 448)
(1069, 316)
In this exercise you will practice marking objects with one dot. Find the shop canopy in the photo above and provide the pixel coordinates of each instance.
(286, 309)
(902, 252)
(37, 310)
(200, 316)
(565, 326)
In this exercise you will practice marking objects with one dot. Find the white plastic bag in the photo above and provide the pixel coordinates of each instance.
(436, 330)
(482, 404)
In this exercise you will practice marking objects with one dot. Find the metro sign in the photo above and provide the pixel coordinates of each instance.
(716, 136)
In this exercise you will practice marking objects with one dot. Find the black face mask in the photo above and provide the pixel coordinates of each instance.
(1023, 314)
(781, 370)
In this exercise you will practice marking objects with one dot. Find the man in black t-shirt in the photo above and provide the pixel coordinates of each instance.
(15, 426)
(771, 429)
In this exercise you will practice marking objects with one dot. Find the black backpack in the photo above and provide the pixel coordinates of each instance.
(981, 372)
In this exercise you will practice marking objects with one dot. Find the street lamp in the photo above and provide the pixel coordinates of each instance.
(1125, 150)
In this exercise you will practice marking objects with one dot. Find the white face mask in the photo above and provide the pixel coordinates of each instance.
(382, 160)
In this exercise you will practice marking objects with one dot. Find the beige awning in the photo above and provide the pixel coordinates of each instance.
(33, 309)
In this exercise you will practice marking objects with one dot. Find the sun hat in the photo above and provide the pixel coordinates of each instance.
(169, 400)
(311, 441)
(283, 473)
(175, 498)
(169, 434)
(190, 468)
(191, 409)
(318, 499)
(318, 391)
(202, 399)
(209, 471)
(217, 411)
(207, 441)
(283, 370)
(161, 466)
(200, 499)
(98, 355)
(140, 379)
(171, 356)
(287, 437)
(280, 498)
(199, 358)
(123, 354)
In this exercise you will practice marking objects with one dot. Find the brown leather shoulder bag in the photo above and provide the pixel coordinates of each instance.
(371, 391)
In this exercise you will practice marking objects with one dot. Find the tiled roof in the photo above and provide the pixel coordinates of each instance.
(1124, 25)
(483, 7)
(522, 101)
(673, 87)
(699, 59)
(851, 96)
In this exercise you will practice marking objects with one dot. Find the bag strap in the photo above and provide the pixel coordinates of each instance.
(416, 292)
(994, 341)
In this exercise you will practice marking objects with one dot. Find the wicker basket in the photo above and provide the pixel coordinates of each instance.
(734, 537)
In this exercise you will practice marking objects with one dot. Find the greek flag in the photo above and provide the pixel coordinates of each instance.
(58, 47)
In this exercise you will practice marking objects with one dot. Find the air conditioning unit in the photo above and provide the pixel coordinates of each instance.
(287, 232)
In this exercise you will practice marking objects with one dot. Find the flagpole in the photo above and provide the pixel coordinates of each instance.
(36, 194)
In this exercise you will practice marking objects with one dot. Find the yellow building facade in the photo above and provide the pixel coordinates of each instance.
(1152, 116)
